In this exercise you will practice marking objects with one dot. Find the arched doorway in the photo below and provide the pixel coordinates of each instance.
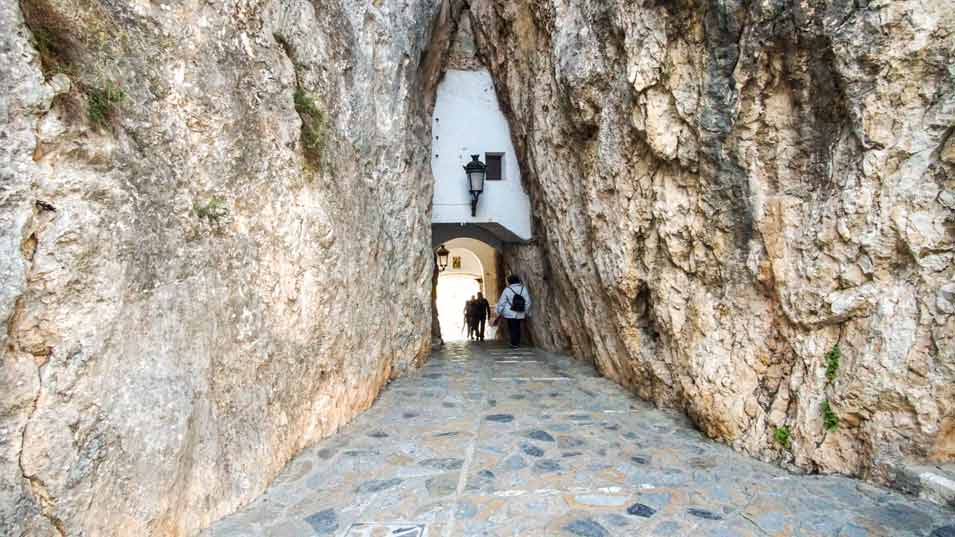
(472, 268)
(453, 292)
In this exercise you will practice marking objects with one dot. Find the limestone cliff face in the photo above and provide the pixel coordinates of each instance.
(727, 190)
(214, 223)
(214, 242)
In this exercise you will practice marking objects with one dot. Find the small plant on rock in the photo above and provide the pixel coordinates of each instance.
(102, 102)
(781, 436)
(50, 49)
(829, 419)
(213, 211)
(313, 127)
(832, 363)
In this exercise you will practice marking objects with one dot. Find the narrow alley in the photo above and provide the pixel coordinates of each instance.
(485, 441)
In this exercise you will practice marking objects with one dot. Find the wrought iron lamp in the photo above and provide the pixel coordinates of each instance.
(475, 171)
(442, 254)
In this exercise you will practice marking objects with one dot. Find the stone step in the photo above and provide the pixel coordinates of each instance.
(932, 482)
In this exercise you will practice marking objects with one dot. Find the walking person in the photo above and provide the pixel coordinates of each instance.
(514, 305)
(481, 313)
(468, 320)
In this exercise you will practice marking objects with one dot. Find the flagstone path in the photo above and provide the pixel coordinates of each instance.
(485, 441)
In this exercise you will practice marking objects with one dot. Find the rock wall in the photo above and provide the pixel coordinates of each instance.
(725, 191)
(214, 221)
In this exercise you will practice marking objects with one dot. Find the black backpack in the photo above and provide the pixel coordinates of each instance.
(518, 304)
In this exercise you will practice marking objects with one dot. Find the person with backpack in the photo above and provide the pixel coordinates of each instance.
(514, 305)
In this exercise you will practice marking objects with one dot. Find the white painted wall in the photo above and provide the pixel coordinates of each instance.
(468, 120)
(471, 264)
(488, 261)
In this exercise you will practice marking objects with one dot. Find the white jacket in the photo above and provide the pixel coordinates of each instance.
(504, 303)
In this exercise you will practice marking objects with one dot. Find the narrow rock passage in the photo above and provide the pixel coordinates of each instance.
(492, 442)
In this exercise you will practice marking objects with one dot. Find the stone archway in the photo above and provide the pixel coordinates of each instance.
(480, 264)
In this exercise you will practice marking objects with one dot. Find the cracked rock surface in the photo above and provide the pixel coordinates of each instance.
(210, 215)
(724, 191)
(214, 242)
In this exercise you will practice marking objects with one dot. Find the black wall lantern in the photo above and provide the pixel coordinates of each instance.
(442, 254)
(475, 171)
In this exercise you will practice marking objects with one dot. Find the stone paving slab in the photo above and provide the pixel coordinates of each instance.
(485, 441)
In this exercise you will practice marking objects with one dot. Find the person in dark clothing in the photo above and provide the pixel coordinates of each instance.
(469, 317)
(514, 305)
(480, 314)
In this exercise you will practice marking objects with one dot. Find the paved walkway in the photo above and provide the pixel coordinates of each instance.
(485, 441)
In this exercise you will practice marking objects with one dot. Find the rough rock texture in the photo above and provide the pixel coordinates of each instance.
(214, 220)
(726, 190)
(214, 241)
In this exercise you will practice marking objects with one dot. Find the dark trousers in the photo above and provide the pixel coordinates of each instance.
(514, 330)
(480, 327)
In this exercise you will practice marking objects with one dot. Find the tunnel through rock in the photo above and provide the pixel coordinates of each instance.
(478, 222)
(721, 194)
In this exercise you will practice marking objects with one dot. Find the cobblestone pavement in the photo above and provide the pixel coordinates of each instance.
(484, 441)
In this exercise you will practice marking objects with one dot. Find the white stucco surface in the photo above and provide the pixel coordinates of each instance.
(488, 262)
(470, 263)
(468, 120)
